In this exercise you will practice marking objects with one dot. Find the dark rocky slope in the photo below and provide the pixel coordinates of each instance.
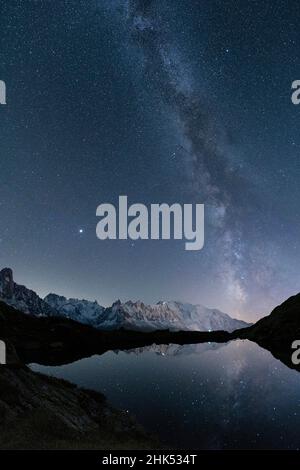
(277, 331)
(41, 412)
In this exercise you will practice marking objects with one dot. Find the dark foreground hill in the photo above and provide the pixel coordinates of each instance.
(41, 412)
(277, 331)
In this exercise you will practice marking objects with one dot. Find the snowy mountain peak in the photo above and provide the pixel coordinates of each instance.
(83, 311)
(172, 315)
(200, 318)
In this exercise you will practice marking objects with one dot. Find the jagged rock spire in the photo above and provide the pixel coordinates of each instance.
(7, 283)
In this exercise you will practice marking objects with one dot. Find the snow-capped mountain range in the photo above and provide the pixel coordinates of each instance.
(83, 311)
(167, 315)
(129, 315)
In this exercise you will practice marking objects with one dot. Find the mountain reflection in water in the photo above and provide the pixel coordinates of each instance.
(203, 396)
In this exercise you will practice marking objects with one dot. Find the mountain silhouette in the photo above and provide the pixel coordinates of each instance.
(277, 331)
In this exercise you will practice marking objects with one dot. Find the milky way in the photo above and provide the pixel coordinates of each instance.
(212, 176)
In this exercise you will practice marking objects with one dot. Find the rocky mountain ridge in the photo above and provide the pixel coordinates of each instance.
(171, 315)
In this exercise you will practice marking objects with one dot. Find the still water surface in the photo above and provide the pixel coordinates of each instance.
(207, 396)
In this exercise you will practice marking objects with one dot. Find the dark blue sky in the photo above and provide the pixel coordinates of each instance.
(177, 101)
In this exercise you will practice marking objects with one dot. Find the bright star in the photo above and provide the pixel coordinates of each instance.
(81, 230)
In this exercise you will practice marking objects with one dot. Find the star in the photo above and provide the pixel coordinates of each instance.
(81, 230)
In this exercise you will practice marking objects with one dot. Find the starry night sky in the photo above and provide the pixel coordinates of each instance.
(177, 101)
